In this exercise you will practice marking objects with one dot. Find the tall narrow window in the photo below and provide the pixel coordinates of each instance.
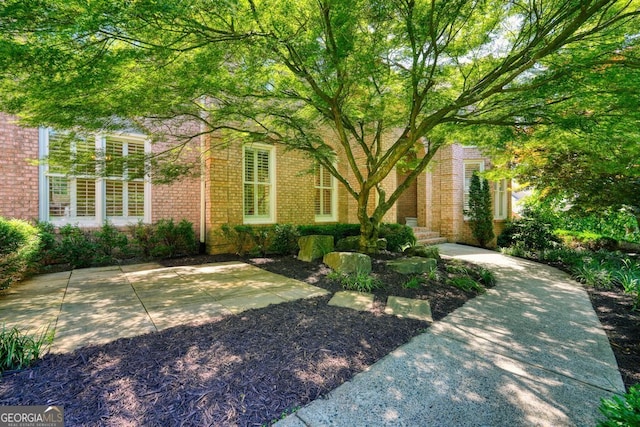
(124, 183)
(470, 167)
(258, 185)
(325, 195)
(500, 199)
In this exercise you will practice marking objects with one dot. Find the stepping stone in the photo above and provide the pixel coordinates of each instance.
(407, 307)
(361, 301)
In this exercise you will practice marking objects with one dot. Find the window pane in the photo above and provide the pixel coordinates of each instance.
(263, 166)
(85, 157)
(85, 198)
(135, 160)
(114, 198)
(263, 199)
(59, 197)
(249, 208)
(318, 202)
(135, 198)
(326, 202)
(59, 153)
(326, 178)
(249, 166)
(113, 157)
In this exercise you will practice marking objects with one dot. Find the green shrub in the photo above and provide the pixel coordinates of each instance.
(18, 350)
(359, 281)
(110, 244)
(174, 240)
(338, 231)
(19, 250)
(143, 237)
(480, 211)
(285, 239)
(77, 247)
(413, 283)
(240, 236)
(622, 412)
(530, 232)
(397, 236)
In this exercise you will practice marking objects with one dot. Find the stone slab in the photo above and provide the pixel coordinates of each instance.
(360, 301)
(409, 308)
(413, 265)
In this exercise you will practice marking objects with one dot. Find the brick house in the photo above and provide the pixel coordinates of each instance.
(251, 184)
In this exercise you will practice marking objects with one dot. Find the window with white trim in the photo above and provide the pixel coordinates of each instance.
(325, 195)
(77, 191)
(500, 199)
(470, 166)
(258, 183)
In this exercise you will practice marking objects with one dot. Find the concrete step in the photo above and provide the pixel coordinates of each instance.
(426, 234)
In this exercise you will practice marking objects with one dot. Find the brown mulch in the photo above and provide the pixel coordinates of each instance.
(246, 369)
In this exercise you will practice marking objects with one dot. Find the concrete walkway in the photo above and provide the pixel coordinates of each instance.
(98, 305)
(530, 352)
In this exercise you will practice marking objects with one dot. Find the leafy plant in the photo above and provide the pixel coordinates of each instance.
(358, 281)
(76, 246)
(485, 276)
(19, 350)
(398, 236)
(467, 284)
(19, 250)
(239, 236)
(143, 236)
(110, 242)
(480, 211)
(413, 283)
(285, 239)
(173, 240)
(622, 412)
(532, 233)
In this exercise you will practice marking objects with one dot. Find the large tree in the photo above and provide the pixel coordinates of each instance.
(392, 79)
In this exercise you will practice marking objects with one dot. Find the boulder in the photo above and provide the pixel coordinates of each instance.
(348, 262)
(348, 244)
(423, 251)
(413, 265)
(314, 247)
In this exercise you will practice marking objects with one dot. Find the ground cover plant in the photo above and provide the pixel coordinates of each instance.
(246, 369)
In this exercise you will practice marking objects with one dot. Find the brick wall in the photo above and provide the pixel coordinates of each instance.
(18, 170)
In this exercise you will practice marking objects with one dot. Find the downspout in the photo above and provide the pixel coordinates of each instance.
(203, 189)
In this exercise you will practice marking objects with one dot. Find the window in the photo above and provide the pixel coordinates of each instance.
(500, 199)
(470, 167)
(87, 180)
(325, 195)
(258, 187)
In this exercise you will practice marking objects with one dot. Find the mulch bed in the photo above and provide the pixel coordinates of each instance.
(622, 325)
(250, 369)
(246, 369)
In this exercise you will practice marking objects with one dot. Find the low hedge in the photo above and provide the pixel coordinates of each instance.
(19, 250)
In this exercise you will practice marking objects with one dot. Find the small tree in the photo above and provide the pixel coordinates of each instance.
(480, 212)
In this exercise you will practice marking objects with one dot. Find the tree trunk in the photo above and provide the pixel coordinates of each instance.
(369, 226)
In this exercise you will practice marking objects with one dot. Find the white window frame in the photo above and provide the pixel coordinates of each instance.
(500, 200)
(270, 218)
(333, 215)
(467, 183)
(100, 187)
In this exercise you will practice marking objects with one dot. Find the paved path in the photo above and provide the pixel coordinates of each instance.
(530, 352)
(98, 305)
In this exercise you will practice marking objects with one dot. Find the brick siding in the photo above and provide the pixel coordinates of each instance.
(18, 170)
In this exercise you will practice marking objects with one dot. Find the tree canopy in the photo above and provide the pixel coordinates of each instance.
(391, 79)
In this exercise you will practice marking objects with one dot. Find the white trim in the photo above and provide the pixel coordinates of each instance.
(100, 187)
(271, 217)
(500, 200)
(332, 217)
(465, 185)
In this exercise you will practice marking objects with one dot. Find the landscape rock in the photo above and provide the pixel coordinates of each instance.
(348, 262)
(413, 265)
(348, 244)
(423, 251)
(314, 247)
